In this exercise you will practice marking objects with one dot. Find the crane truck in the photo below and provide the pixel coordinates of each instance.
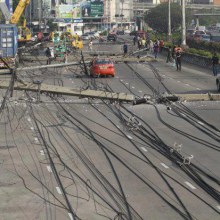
(11, 35)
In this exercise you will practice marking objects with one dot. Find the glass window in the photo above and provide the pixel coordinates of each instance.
(103, 61)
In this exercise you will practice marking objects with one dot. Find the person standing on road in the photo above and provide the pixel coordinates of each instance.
(134, 40)
(48, 55)
(156, 48)
(90, 45)
(125, 49)
(215, 63)
(169, 55)
(178, 60)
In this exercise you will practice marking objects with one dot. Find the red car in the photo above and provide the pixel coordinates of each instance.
(102, 67)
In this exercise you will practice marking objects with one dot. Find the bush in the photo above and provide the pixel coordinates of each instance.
(202, 53)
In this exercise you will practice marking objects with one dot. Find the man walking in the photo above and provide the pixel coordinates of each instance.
(215, 63)
(178, 60)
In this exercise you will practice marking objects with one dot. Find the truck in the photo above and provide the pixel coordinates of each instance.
(8, 45)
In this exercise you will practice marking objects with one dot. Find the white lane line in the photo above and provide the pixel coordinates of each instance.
(121, 80)
(133, 87)
(126, 83)
(187, 84)
(42, 152)
(218, 206)
(129, 137)
(29, 119)
(164, 165)
(32, 128)
(36, 139)
(190, 185)
(198, 88)
(58, 190)
(49, 169)
(144, 149)
(71, 216)
(201, 123)
(178, 81)
(140, 91)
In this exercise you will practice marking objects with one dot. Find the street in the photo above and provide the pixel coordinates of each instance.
(71, 158)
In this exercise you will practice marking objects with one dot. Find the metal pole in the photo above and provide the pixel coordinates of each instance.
(169, 22)
(183, 23)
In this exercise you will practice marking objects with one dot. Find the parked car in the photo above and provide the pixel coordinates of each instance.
(102, 67)
(127, 31)
(120, 32)
(85, 36)
(112, 37)
(91, 35)
(138, 33)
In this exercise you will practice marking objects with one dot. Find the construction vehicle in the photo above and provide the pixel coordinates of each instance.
(11, 35)
(24, 34)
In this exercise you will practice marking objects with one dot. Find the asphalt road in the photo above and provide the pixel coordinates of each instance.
(69, 158)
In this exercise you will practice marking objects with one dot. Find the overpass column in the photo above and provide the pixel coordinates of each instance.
(183, 23)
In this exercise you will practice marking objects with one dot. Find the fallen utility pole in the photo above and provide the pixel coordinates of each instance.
(190, 97)
(44, 88)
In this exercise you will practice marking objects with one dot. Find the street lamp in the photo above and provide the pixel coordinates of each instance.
(183, 23)
(169, 22)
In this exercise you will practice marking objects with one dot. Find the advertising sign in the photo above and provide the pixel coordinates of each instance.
(68, 11)
(92, 8)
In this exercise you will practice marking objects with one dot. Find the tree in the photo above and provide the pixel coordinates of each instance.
(157, 18)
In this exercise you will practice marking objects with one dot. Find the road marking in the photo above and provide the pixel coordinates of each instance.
(144, 149)
(133, 87)
(218, 207)
(49, 169)
(126, 83)
(122, 80)
(129, 137)
(36, 139)
(29, 119)
(58, 190)
(164, 165)
(178, 81)
(140, 91)
(187, 84)
(71, 216)
(198, 88)
(190, 185)
(201, 123)
(32, 128)
(42, 152)
(117, 126)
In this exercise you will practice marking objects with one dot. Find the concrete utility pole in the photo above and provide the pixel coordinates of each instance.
(169, 22)
(183, 23)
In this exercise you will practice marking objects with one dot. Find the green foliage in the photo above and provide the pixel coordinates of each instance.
(203, 45)
(157, 18)
(202, 53)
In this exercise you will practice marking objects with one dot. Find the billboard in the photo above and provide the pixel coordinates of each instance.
(92, 8)
(68, 11)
